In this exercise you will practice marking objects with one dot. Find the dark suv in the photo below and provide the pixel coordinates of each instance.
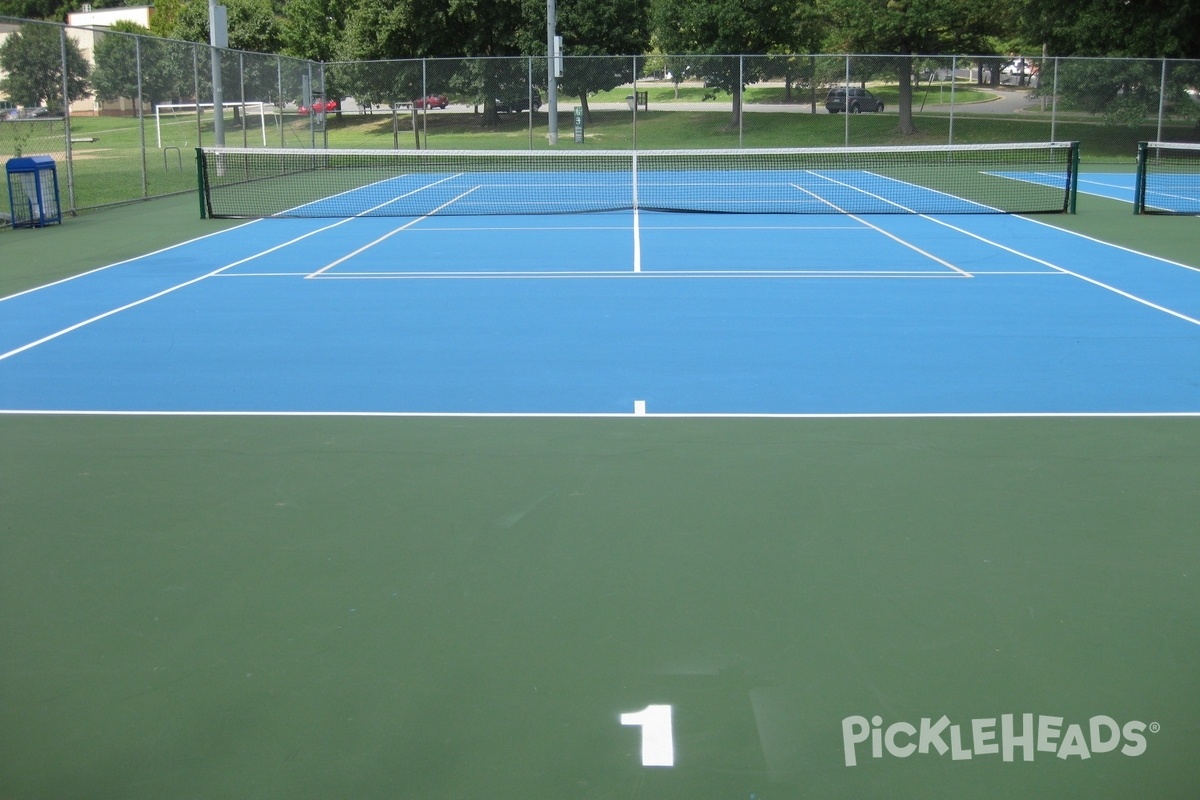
(518, 102)
(860, 100)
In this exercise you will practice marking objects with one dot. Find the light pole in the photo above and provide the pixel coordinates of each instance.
(218, 37)
(553, 70)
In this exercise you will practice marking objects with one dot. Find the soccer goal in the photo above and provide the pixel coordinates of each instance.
(173, 114)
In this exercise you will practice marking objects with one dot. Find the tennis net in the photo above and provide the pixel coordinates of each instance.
(1168, 178)
(949, 179)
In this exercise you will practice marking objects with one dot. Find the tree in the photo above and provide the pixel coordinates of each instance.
(117, 54)
(166, 12)
(33, 59)
(312, 29)
(715, 27)
(913, 27)
(1124, 91)
(408, 29)
(1168, 29)
(253, 27)
(618, 29)
(34, 9)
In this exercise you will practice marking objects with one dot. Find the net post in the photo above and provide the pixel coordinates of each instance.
(201, 183)
(1139, 181)
(1073, 178)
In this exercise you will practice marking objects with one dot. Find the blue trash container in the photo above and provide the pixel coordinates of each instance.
(33, 191)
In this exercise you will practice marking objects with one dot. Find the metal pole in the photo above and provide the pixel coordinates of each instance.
(308, 98)
(741, 87)
(218, 94)
(846, 103)
(1162, 99)
(1054, 103)
(66, 96)
(280, 103)
(635, 107)
(199, 110)
(529, 88)
(324, 114)
(551, 77)
(242, 95)
(137, 57)
(953, 81)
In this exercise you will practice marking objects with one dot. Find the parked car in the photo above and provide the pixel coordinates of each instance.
(860, 100)
(518, 102)
(318, 107)
(1018, 71)
(432, 101)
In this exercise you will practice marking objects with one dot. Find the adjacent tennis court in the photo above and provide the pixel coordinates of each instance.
(383, 497)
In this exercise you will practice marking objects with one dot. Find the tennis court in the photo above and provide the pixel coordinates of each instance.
(625, 503)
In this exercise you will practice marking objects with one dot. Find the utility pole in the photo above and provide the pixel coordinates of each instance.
(553, 69)
(218, 37)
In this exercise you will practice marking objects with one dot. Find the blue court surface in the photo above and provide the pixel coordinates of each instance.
(616, 314)
(1166, 192)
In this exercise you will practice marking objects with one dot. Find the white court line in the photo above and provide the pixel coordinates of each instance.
(613, 273)
(637, 242)
(1155, 193)
(178, 286)
(1049, 264)
(394, 231)
(610, 414)
(1123, 248)
(875, 227)
(1083, 179)
(129, 260)
(346, 192)
(1032, 258)
(625, 274)
(167, 291)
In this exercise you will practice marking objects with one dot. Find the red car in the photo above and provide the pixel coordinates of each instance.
(319, 106)
(432, 101)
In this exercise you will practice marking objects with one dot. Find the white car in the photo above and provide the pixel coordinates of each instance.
(1018, 71)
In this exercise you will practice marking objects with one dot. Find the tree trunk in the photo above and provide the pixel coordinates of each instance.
(907, 127)
(812, 83)
(587, 111)
(736, 120)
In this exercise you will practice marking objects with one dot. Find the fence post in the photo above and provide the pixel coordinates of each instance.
(634, 136)
(741, 100)
(242, 97)
(279, 99)
(1054, 104)
(953, 83)
(199, 109)
(324, 116)
(846, 105)
(66, 96)
(1162, 96)
(141, 98)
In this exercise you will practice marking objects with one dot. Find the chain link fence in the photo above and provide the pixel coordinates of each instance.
(122, 114)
